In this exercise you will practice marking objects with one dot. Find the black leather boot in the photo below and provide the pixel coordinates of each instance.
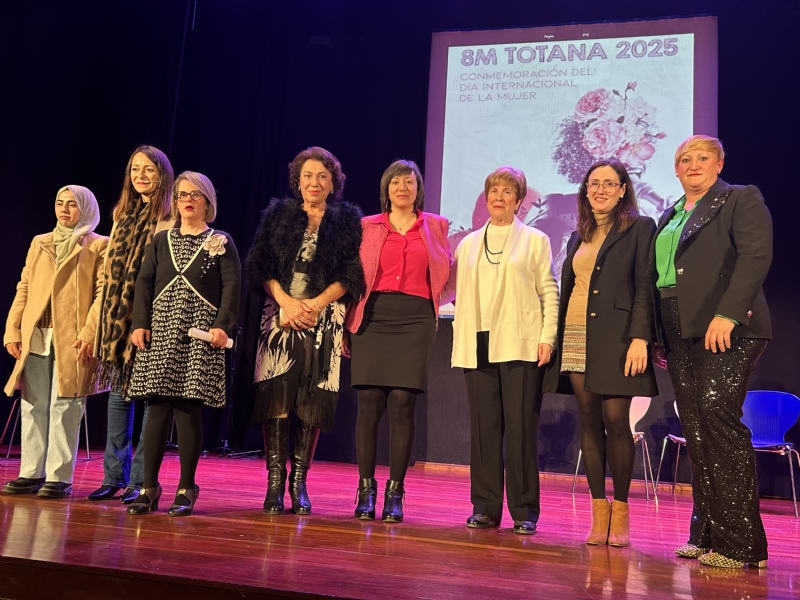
(305, 441)
(276, 437)
(366, 496)
(393, 502)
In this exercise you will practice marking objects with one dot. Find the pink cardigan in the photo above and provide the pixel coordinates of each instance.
(434, 235)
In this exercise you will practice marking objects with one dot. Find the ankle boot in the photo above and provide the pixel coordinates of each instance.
(620, 532)
(305, 441)
(393, 502)
(366, 496)
(276, 437)
(601, 517)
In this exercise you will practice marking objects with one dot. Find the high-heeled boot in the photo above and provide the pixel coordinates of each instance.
(601, 517)
(393, 502)
(276, 438)
(366, 496)
(620, 532)
(305, 441)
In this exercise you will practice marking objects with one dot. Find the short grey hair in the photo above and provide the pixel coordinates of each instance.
(202, 183)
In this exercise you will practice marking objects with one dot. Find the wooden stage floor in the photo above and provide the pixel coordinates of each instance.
(85, 550)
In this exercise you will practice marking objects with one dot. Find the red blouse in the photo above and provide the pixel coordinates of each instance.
(403, 266)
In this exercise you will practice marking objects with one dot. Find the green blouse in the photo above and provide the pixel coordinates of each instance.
(667, 244)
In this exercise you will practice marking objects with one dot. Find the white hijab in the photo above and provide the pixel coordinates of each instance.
(64, 237)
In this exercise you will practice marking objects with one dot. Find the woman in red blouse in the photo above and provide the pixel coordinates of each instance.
(406, 260)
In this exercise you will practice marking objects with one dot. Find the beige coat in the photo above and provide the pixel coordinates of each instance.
(76, 289)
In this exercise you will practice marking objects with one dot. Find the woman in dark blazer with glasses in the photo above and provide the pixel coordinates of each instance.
(605, 325)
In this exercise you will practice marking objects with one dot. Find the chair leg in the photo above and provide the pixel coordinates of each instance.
(677, 462)
(13, 429)
(86, 433)
(644, 470)
(660, 462)
(8, 422)
(650, 468)
(791, 477)
(577, 466)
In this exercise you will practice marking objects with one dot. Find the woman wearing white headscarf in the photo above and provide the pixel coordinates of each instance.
(50, 326)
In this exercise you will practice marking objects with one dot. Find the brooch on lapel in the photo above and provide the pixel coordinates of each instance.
(215, 244)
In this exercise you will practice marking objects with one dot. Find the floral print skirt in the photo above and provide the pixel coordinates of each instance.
(298, 370)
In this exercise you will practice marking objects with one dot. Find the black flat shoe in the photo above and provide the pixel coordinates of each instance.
(55, 489)
(129, 495)
(525, 527)
(179, 507)
(104, 492)
(23, 485)
(479, 521)
(146, 501)
(365, 499)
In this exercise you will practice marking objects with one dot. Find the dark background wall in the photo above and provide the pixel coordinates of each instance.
(234, 88)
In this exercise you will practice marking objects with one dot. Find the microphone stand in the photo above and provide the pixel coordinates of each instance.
(226, 451)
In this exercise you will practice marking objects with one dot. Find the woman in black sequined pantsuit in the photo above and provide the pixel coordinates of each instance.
(710, 256)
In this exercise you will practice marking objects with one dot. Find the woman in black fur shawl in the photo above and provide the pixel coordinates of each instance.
(306, 256)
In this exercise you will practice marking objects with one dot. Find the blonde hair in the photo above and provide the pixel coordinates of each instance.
(202, 183)
(508, 175)
(700, 142)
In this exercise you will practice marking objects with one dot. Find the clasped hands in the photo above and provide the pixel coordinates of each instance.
(299, 314)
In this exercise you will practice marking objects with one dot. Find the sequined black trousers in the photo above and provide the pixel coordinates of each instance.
(710, 390)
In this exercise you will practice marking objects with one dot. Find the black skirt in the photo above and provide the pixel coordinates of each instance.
(393, 343)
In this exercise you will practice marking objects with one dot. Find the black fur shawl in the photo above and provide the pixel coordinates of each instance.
(280, 234)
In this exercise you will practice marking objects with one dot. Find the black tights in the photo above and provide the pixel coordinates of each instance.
(372, 403)
(605, 436)
(189, 422)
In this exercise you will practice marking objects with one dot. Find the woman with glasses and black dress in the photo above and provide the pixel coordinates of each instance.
(190, 278)
(605, 323)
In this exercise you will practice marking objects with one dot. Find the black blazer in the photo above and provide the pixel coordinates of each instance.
(619, 308)
(722, 259)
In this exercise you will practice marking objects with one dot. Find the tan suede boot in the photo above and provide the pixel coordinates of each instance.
(620, 532)
(601, 515)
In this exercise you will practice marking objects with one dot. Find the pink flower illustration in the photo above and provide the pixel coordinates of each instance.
(607, 124)
(638, 108)
(602, 138)
(592, 104)
(635, 155)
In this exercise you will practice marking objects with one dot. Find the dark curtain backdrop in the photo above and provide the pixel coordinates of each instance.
(234, 88)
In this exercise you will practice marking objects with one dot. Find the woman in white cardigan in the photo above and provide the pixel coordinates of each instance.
(503, 333)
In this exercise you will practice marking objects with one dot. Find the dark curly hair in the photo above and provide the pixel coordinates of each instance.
(625, 212)
(328, 160)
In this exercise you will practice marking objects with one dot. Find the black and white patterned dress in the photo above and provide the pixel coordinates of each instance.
(175, 364)
(299, 370)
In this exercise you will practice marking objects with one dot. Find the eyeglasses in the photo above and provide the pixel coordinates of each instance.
(184, 197)
(608, 186)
